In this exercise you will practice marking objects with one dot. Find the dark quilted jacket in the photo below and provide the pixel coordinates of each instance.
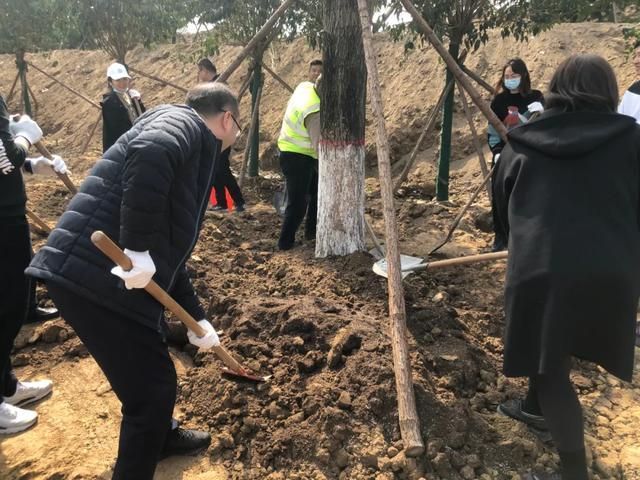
(148, 192)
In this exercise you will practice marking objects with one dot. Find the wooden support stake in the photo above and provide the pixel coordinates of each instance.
(75, 92)
(277, 77)
(456, 221)
(261, 35)
(36, 107)
(13, 87)
(91, 133)
(158, 79)
(433, 116)
(409, 422)
(474, 135)
(62, 176)
(250, 134)
(478, 79)
(37, 221)
(455, 69)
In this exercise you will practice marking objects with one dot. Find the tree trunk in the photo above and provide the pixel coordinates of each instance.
(442, 182)
(341, 197)
(256, 84)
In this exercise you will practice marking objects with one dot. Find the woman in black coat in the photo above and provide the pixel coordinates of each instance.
(568, 191)
(121, 106)
(514, 103)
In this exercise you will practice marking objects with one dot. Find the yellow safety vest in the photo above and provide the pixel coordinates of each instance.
(294, 136)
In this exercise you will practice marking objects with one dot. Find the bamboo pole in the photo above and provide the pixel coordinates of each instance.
(474, 135)
(91, 133)
(455, 69)
(277, 77)
(75, 92)
(158, 79)
(250, 134)
(433, 116)
(456, 221)
(478, 79)
(37, 221)
(408, 417)
(261, 35)
(13, 87)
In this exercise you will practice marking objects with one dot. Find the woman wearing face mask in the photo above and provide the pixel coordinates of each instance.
(121, 106)
(513, 104)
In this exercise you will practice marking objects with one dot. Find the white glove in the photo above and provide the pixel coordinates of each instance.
(44, 166)
(535, 107)
(141, 273)
(135, 94)
(209, 340)
(26, 128)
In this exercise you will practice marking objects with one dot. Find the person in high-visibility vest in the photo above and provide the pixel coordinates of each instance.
(298, 144)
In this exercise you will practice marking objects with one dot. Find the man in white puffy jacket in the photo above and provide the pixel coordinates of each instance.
(16, 137)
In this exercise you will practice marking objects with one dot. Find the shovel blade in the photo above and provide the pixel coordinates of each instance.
(406, 262)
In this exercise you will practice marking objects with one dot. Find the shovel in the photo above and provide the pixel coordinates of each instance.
(233, 368)
(406, 262)
(381, 269)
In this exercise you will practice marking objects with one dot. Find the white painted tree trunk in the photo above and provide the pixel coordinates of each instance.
(341, 198)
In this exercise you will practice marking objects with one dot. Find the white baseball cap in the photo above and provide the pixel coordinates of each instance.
(116, 71)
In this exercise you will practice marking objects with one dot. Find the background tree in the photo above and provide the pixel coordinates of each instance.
(341, 163)
(117, 26)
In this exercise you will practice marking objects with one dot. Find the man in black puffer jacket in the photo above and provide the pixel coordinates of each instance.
(149, 193)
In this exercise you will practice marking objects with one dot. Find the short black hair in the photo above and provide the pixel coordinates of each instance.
(207, 65)
(315, 62)
(636, 44)
(584, 83)
(210, 98)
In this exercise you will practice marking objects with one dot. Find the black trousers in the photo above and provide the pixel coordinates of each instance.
(135, 359)
(224, 179)
(501, 237)
(15, 255)
(301, 175)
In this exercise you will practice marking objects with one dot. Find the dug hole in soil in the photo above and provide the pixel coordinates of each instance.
(319, 326)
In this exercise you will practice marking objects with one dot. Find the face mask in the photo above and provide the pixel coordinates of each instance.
(512, 83)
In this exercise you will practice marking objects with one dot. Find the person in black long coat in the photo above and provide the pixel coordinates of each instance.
(568, 190)
(121, 106)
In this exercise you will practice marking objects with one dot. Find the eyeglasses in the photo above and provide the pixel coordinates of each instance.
(234, 121)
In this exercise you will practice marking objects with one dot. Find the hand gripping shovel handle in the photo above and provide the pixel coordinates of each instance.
(63, 176)
(111, 250)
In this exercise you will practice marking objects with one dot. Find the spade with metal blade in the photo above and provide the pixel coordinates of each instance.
(233, 367)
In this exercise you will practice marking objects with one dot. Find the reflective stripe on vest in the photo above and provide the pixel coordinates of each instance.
(294, 136)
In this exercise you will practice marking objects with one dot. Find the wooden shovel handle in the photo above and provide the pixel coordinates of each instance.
(111, 250)
(483, 257)
(44, 151)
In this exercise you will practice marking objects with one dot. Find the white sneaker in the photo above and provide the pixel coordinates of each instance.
(29, 392)
(15, 419)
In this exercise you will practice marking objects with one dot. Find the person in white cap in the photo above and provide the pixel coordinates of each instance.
(121, 106)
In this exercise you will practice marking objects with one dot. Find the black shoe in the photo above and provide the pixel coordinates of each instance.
(42, 314)
(181, 441)
(240, 208)
(217, 208)
(513, 409)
